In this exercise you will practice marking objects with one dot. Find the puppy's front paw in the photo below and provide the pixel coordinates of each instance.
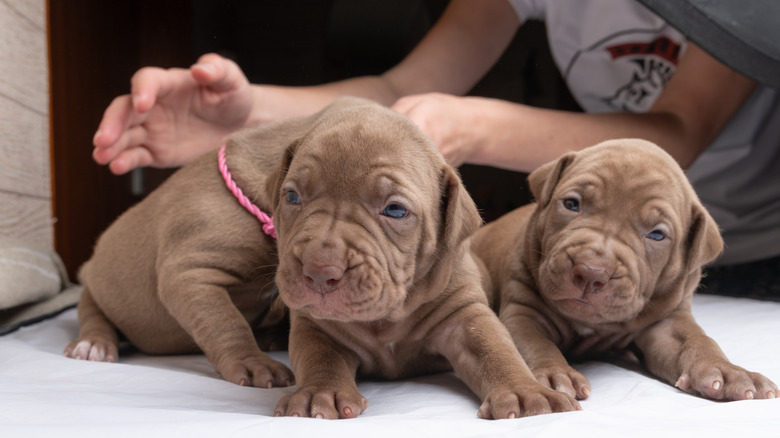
(563, 378)
(322, 402)
(726, 381)
(525, 401)
(257, 370)
(92, 348)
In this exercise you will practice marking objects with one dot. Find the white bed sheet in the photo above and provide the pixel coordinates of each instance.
(43, 393)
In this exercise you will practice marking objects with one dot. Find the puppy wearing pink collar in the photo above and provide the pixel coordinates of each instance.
(370, 257)
(191, 267)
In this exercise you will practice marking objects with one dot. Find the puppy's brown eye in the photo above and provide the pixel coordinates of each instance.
(293, 197)
(656, 235)
(571, 204)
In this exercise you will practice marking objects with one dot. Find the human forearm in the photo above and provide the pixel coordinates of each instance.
(451, 58)
(274, 102)
(517, 137)
(520, 137)
(696, 104)
(525, 137)
(173, 115)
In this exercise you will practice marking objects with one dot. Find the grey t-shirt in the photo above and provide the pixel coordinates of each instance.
(616, 55)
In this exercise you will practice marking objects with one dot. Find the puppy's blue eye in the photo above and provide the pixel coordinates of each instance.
(656, 235)
(395, 211)
(293, 197)
(571, 204)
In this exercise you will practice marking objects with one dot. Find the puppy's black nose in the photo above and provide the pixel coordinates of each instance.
(323, 278)
(589, 279)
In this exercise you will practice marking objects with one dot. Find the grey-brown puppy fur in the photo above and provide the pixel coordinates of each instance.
(374, 267)
(189, 269)
(608, 260)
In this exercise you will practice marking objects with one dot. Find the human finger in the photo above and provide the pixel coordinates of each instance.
(133, 136)
(405, 104)
(218, 73)
(130, 159)
(116, 118)
(130, 137)
(150, 84)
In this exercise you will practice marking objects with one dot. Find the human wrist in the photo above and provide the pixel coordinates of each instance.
(484, 130)
(259, 113)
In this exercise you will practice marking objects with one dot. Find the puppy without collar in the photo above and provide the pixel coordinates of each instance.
(608, 259)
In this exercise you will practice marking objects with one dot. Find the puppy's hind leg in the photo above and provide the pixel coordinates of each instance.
(98, 339)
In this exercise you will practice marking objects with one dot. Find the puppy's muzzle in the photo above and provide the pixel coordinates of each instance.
(592, 280)
(322, 278)
(589, 277)
(592, 270)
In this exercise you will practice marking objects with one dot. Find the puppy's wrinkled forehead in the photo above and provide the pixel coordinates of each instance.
(619, 171)
(351, 149)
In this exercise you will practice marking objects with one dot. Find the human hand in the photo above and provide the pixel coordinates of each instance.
(173, 115)
(448, 120)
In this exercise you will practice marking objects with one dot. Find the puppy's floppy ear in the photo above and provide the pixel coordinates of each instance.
(543, 180)
(460, 218)
(276, 178)
(703, 243)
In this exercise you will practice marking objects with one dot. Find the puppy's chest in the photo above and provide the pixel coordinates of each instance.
(585, 342)
(391, 352)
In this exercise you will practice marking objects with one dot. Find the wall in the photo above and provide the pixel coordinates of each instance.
(25, 177)
(95, 47)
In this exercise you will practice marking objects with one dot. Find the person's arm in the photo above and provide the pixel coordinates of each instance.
(453, 56)
(172, 116)
(699, 100)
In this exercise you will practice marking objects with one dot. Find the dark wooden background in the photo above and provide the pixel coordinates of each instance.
(96, 46)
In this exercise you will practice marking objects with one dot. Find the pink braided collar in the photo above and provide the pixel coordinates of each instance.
(268, 222)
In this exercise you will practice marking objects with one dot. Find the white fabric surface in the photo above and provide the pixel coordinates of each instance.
(43, 393)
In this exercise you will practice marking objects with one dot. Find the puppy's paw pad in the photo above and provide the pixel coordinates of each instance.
(526, 401)
(727, 382)
(92, 349)
(274, 374)
(563, 378)
(322, 402)
(259, 371)
(351, 405)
